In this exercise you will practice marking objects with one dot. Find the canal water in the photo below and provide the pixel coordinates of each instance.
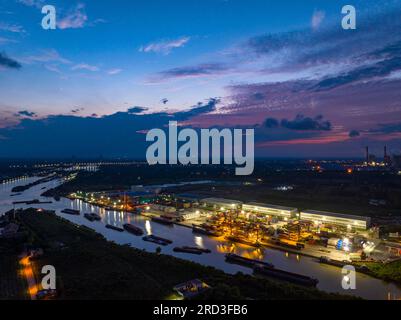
(329, 277)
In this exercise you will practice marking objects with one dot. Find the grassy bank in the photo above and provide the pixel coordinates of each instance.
(89, 267)
(389, 272)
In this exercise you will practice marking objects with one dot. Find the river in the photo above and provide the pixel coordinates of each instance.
(329, 277)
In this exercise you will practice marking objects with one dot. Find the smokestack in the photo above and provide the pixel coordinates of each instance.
(385, 152)
(367, 154)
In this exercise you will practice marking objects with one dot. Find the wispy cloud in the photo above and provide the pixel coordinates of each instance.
(6, 40)
(74, 19)
(317, 19)
(200, 70)
(85, 66)
(114, 71)
(14, 28)
(32, 3)
(49, 55)
(165, 46)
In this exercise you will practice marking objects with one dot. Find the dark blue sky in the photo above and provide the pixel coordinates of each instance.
(325, 91)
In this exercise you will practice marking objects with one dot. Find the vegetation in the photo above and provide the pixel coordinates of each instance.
(389, 271)
(12, 285)
(89, 267)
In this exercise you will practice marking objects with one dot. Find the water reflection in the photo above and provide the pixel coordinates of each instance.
(148, 227)
(199, 241)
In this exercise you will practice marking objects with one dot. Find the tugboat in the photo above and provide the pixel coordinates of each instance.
(133, 229)
(71, 211)
(109, 226)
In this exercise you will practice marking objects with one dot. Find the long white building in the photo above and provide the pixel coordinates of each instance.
(270, 209)
(345, 220)
(221, 204)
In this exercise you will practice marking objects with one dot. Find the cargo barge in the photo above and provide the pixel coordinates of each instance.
(71, 211)
(133, 229)
(92, 217)
(192, 250)
(243, 241)
(286, 276)
(162, 220)
(109, 226)
(157, 240)
(208, 232)
(236, 259)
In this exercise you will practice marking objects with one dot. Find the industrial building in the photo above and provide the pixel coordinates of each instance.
(270, 209)
(339, 219)
(221, 204)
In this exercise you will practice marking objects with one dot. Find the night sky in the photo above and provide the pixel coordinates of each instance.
(114, 69)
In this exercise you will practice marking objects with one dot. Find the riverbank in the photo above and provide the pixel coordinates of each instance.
(99, 269)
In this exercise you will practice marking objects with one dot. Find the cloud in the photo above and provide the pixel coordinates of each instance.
(114, 71)
(317, 19)
(85, 66)
(136, 110)
(200, 70)
(165, 46)
(354, 134)
(32, 3)
(74, 19)
(6, 40)
(199, 109)
(387, 128)
(14, 28)
(114, 135)
(48, 55)
(271, 123)
(77, 110)
(26, 113)
(303, 123)
(7, 62)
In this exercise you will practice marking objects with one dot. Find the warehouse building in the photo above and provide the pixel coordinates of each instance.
(221, 204)
(270, 209)
(339, 219)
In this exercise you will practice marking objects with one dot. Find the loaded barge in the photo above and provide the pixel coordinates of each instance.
(133, 229)
(286, 276)
(163, 220)
(71, 211)
(157, 240)
(92, 217)
(192, 250)
(109, 226)
(236, 259)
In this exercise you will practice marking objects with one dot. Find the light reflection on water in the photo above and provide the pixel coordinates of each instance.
(329, 277)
